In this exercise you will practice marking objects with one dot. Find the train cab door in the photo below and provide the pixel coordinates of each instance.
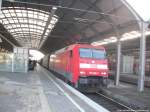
(69, 65)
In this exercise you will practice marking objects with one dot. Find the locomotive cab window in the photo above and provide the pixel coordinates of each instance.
(85, 53)
(92, 53)
(98, 54)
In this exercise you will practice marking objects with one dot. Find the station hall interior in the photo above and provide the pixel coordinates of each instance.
(34, 32)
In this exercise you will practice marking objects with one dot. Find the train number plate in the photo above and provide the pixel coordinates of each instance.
(93, 66)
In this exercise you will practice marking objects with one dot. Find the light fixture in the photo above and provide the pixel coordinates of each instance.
(54, 8)
(124, 37)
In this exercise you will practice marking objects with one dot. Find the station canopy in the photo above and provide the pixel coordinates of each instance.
(49, 25)
(141, 9)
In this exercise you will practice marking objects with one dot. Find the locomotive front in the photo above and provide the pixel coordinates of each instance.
(93, 67)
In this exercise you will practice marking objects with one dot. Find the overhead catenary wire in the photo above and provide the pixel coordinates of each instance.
(74, 9)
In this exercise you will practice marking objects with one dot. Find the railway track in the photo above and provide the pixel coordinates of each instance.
(109, 103)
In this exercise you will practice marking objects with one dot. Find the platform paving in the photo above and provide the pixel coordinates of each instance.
(19, 93)
(129, 95)
(41, 91)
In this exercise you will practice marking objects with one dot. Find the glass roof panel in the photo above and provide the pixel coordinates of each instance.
(11, 11)
(41, 23)
(26, 24)
(40, 28)
(24, 14)
(50, 26)
(30, 21)
(7, 15)
(1, 15)
(5, 11)
(14, 25)
(31, 26)
(9, 27)
(17, 25)
(20, 20)
(23, 11)
(11, 21)
(30, 12)
(30, 15)
(41, 17)
(35, 16)
(13, 14)
(19, 14)
(25, 20)
(18, 10)
(16, 21)
(5, 22)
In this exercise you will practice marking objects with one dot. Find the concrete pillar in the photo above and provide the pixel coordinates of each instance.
(141, 76)
(118, 62)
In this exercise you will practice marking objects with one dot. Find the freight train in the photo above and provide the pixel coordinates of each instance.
(82, 65)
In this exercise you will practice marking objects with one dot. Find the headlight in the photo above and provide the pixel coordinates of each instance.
(103, 73)
(82, 72)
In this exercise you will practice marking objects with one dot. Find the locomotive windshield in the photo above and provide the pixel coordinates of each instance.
(85, 53)
(92, 53)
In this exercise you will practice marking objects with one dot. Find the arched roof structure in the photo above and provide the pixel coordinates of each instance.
(50, 25)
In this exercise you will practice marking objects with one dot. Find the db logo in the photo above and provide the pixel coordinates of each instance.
(93, 61)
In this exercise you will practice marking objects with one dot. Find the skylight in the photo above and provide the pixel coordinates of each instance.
(25, 23)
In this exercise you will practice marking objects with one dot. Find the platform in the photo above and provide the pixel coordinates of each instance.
(132, 78)
(129, 95)
(41, 91)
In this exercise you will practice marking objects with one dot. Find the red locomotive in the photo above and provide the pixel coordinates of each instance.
(81, 64)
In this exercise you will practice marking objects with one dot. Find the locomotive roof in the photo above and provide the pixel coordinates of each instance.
(70, 47)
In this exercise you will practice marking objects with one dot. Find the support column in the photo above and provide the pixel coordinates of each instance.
(141, 76)
(118, 62)
(0, 5)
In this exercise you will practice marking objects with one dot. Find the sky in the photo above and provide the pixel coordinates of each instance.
(142, 7)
